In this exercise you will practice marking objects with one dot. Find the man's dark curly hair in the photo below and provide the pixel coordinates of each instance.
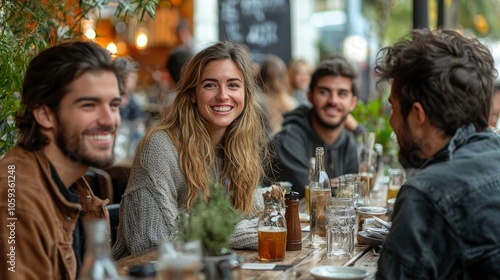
(450, 75)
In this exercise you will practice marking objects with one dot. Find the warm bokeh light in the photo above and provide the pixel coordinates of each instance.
(141, 41)
(112, 48)
(90, 34)
(121, 48)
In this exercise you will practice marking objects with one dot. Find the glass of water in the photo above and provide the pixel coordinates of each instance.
(340, 227)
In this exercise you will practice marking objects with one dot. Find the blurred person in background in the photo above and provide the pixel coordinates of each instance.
(133, 124)
(274, 83)
(333, 93)
(183, 32)
(445, 222)
(176, 60)
(130, 109)
(299, 77)
(167, 83)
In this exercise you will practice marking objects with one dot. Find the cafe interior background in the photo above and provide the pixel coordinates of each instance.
(311, 29)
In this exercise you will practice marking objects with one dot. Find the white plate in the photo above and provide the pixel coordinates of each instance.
(338, 272)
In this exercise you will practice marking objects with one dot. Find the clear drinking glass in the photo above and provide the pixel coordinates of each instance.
(340, 225)
(179, 260)
(345, 189)
(361, 194)
(396, 179)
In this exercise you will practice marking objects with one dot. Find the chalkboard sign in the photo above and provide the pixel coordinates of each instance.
(262, 25)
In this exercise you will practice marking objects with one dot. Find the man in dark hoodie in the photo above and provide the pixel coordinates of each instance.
(333, 94)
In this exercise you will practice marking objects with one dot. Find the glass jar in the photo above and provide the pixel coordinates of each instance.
(271, 229)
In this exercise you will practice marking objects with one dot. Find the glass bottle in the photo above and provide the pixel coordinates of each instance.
(320, 192)
(294, 231)
(312, 161)
(97, 262)
(271, 229)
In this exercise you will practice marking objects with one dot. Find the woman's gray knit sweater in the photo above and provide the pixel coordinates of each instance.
(154, 196)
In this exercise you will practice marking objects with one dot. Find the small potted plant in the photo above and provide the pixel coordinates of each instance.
(212, 223)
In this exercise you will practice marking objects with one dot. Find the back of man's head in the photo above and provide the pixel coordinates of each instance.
(450, 75)
(336, 66)
(177, 58)
(47, 79)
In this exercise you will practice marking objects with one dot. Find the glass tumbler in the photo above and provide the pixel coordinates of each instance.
(340, 225)
(179, 260)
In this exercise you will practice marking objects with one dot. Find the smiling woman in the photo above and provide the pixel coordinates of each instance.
(217, 102)
(220, 96)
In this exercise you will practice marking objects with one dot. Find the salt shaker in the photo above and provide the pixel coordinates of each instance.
(294, 232)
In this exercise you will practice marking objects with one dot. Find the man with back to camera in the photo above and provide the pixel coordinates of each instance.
(70, 98)
(333, 94)
(445, 220)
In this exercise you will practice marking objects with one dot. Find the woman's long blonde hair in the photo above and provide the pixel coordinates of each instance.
(245, 144)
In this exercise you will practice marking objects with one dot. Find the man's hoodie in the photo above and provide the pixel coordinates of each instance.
(295, 144)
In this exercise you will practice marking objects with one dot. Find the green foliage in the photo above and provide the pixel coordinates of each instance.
(26, 28)
(393, 19)
(212, 222)
(375, 118)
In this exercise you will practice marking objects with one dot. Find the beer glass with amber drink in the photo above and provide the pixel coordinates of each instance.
(396, 179)
(271, 233)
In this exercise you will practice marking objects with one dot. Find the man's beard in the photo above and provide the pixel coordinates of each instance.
(71, 144)
(409, 149)
(326, 125)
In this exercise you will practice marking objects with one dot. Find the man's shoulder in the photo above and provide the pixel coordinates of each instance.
(296, 124)
(347, 138)
(21, 169)
(18, 164)
(449, 181)
(21, 179)
(298, 116)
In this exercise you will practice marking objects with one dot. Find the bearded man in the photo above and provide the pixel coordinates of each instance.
(333, 94)
(445, 221)
(71, 96)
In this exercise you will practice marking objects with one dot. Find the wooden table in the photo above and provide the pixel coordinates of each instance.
(302, 261)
